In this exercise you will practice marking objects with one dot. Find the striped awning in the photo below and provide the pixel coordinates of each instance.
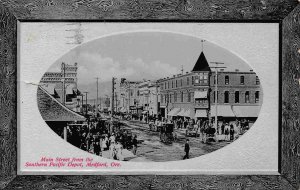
(246, 111)
(174, 112)
(181, 113)
(200, 113)
(222, 111)
(189, 113)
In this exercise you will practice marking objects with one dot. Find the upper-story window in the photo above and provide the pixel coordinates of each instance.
(196, 79)
(189, 96)
(165, 85)
(226, 79)
(214, 94)
(242, 80)
(187, 81)
(256, 96)
(237, 97)
(170, 98)
(181, 96)
(168, 84)
(215, 79)
(172, 84)
(176, 84)
(257, 80)
(192, 80)
(175, 97)
(226, 97)
(162, 98)
(247, 97)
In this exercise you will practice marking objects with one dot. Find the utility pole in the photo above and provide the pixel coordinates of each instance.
(86, 110)
(82, 103)
(97, 78)
(63, 65)
(112, 96)
(216, 91)
(116, 97)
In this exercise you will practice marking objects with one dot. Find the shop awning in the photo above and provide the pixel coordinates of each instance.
(200, 94)
(246, 111)
(123, 110)
(174, 112)
(200, 113)
(189, 113)
(181, 113)
(223, 111)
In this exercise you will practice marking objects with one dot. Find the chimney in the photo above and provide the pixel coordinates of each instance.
(221, 69)
(251, 70)
(237, 70)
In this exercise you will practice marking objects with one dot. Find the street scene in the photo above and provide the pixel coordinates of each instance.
(149, 97)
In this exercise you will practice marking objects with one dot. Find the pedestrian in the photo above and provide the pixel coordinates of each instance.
(97, 148)
(134, 145)
(226, 134)
(186, 149)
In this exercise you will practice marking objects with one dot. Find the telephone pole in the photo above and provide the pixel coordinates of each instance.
(112, 96)
(63, 65)
(216, 91)
(86, 110)
(97, 78)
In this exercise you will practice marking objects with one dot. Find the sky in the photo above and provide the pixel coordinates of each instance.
(141, 56)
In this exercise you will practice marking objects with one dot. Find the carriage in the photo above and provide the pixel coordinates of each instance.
(167, 132)
(210, 135)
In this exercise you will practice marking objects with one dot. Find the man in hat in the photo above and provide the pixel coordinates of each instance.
(186, 149)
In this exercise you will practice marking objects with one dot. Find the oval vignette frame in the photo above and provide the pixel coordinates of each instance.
(75, 80)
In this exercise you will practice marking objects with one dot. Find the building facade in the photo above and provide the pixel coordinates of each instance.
(62, 86)
(148, 97)
(129, 96)
(191, 94)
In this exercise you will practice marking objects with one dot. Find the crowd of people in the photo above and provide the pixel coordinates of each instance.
(98, 136)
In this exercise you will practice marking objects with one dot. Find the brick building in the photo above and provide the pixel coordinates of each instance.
(53, 83)
(191, 94)
(129, 96)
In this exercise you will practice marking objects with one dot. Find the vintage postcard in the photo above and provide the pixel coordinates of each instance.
(148, 98)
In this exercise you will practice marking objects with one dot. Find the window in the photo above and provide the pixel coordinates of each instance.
(196, 80)
(205, 78)
(187, 81)
(215, 95)
(175, 97)
(176, 84)
(168, 84)
(256, 96)
(131, 92)
(247, 97)
(226, 97)
(215, 79)
(257, 80)
(181, 96)
(192, 80)
(162, 98)
(166, 98)
(170, 98)
(242, 80)
(172, 84)
(226, 79)
(189, 96)
(237, 97)
(165, 85)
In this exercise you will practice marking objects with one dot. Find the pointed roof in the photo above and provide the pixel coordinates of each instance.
(201, 64)
(52, 110)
